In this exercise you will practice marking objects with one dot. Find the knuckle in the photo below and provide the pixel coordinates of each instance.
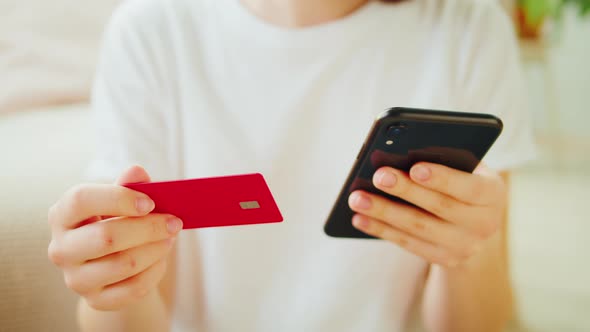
(402, 188)
(96, 303)
(380, 210)
(476, 192)
(125, 262)
(52, 215)
(105, 237)
(450, 263)
(376, 230)
(402, 241)
(77, 196)
(441, 205)
(54, 253)
(439, 255)
(388, 211)
(161, 268)
(405, 218)
(465, 252)
(414, 214)
(75, 284)
(139, 290)
(446, 260)
(70, 282)
(421, 226)
(489, 227)
(443, 181)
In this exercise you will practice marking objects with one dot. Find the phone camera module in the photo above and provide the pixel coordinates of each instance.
(396, 130)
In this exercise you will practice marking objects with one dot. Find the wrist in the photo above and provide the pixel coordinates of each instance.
(489, 258)
(131, 317)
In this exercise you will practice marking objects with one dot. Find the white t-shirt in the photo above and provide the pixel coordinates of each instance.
(192, 88)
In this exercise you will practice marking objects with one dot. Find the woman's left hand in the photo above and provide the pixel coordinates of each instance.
(456, 213)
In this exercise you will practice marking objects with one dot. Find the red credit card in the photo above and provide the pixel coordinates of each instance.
(213, 202)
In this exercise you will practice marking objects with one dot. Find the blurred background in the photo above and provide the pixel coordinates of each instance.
(48, 51)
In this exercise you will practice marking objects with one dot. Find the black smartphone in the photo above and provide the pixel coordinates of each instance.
(401, 137)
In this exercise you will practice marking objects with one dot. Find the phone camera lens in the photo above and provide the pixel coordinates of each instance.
(396, 130)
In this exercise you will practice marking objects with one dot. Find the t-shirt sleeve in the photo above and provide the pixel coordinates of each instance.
(127, 103)
(491, 81)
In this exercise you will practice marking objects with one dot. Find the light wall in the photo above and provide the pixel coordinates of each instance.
(569, 66)
(563, 126)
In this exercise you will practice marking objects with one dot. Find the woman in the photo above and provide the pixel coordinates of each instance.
(289, 88)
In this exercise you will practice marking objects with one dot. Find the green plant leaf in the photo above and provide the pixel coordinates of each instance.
(537, 10)
(583, 6)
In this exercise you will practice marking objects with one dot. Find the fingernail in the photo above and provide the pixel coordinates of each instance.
(144, 205)
(174, 225)
(421, 173)
(360, 201)
(386, 179)
(360, 222)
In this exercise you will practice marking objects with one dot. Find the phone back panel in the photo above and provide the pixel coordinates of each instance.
(455, 139)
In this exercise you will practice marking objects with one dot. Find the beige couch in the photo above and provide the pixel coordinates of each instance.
(48, 51)
(43, 153)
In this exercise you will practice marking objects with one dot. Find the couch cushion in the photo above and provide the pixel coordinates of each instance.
(43, 153)
(48, 50)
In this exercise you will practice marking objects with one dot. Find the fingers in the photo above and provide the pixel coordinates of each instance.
(113, 235)
(426, 250)
(481, 188)
(413, 221)
(90, 200)
(453, 214)
(115, 261)
(398, 184)
(97, 274)
(123, 293)
(133, 174)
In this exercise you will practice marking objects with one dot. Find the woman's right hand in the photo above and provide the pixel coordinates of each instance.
(111, 249)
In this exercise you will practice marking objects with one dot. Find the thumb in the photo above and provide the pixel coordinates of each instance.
(133, 174)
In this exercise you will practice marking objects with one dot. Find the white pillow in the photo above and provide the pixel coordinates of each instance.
(48, 50)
